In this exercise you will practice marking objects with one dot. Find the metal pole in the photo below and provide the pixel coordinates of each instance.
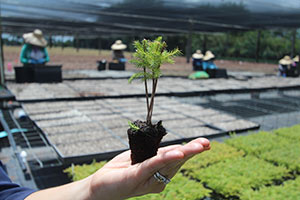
(204, 43)
(293, 45)
(2, 75)
(257, 45)
(189, 42)
(99, 45)
(77, 44)
(62, 42)
(50, 42)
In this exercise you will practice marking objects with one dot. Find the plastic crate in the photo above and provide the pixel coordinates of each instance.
(24, 74)
(116, 66)
(48, 74)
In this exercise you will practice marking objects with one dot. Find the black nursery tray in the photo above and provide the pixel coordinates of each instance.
(79, 135)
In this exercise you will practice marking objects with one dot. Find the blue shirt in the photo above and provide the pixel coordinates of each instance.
(10, 190)
(209, 65)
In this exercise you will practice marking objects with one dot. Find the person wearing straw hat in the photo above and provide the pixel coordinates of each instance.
(197, 60)
(284, 65)
(117, 55)
(296, 66)
(296, 61)
(34, 50)
(208, 61)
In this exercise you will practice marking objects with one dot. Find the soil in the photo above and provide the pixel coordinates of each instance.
(87, 59)
(145, 141)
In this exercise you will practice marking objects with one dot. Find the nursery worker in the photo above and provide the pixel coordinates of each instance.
(296, 61)
(117, 55)
(197, 60)
(34, 51)
(116, 180)
(284, 65)
(208, 61)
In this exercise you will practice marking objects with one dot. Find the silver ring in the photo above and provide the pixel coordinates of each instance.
(160, 178)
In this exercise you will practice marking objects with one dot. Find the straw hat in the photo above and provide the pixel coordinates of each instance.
(197, 55)
(35, 38)
(208, 55)
(286, 60)
(118, 45)
(296, 59)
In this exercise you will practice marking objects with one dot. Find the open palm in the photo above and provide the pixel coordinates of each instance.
(118, 179)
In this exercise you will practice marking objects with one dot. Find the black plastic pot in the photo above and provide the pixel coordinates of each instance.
(211, 73)
(47, 74)
(101, 65)
(116, 66)
(217, 73)
(221, 73)
(24, 74)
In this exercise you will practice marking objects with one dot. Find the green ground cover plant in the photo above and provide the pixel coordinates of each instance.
(289, 132)
(284, 155)
(258, 143)
(290, 190)
(248, 167)
(218, 152)
(181, 188)
(232, 176)
(78, 172)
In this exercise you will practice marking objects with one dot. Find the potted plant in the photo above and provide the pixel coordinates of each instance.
(144, 137)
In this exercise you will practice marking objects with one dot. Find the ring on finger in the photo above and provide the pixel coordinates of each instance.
(160, 178)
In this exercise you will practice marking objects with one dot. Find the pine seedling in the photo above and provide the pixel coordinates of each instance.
(149, 56)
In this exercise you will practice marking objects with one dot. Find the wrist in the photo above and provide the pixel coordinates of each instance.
(105, 188)
(84, 188)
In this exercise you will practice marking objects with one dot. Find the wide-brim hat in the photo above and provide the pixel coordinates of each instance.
(35, 38)
(118, 45)
(197, 55)
(286, 60)
(208, 55)
(296, 59)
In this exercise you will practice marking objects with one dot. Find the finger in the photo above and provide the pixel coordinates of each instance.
(191, 148)
(169, 171)
(170, 159)
(168, 148)
(150, 166)
(175, 167)
(205, 142)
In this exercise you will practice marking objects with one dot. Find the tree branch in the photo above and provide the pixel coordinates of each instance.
(147, 94)
(154, 85)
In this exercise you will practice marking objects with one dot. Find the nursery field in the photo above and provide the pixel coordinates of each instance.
(263, 165)
(81, 128)
(87, 59)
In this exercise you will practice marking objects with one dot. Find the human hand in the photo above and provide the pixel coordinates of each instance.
(33, 61)
(118, 179)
